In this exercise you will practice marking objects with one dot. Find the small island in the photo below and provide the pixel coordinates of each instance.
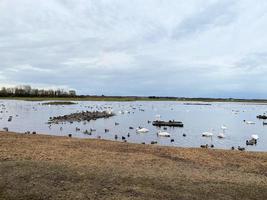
(80, 116)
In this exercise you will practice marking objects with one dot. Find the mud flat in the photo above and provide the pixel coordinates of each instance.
(49, 167)
(80, 116)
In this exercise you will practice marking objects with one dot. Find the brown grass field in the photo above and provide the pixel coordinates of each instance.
(49, 167)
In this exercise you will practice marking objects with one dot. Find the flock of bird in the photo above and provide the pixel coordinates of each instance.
(131, 109)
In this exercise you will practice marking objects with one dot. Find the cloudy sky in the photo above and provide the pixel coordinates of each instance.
(207, 48)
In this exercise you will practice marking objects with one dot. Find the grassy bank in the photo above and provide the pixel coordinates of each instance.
(133, 98)
(48, 167)
(56, 103)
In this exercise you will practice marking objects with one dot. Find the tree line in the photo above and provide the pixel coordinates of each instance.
(28, 91)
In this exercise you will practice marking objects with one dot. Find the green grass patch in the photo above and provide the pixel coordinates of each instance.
(133, 98)
(59, 103)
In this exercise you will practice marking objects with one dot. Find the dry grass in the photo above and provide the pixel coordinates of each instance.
(48, 167)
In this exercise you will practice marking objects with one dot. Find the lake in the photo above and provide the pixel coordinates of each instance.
(33, 116)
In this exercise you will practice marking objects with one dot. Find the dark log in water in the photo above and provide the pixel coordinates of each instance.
(168, 123)
(80, 116)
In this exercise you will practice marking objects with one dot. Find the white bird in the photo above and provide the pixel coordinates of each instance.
(142, 130)
(207, 134)
(164, 134)
(223, 127)
(250, 122)
(221, 135)
(255, 137)
(158, 117)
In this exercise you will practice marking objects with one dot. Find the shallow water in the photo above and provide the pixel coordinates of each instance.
(32, 116)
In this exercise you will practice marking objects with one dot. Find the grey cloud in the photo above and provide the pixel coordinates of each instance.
(220, 13)
(129, 47)
(253, 62)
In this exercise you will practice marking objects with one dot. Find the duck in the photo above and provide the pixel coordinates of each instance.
(241, 148)
(204, 146)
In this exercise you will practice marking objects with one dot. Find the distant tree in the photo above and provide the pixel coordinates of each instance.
(34, 92)
(3, 92)
(28, 91)
(72, 93)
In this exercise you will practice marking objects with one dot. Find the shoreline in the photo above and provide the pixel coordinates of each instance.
(134, 99)
(56, 167)
(128, 142)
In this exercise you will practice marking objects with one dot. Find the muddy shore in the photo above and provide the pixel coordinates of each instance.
(51, 167)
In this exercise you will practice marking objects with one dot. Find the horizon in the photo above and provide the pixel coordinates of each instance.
(192, 49)
(28, 90)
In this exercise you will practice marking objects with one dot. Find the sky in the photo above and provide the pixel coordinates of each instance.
(192, 48)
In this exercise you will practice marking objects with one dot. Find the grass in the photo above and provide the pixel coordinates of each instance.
(133, 98)
(49, 167)
(59, 103)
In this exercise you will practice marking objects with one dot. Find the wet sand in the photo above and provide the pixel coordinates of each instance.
(50, 167)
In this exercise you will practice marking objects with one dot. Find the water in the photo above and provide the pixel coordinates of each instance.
(32, 116)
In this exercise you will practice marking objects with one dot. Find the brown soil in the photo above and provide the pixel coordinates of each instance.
(49, 167)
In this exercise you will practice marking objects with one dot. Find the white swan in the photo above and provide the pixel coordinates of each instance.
(223, 127)
(221, 135)
(142, 130)
(250, 122)
(255, 137)
(207, 134)
(164, 134)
